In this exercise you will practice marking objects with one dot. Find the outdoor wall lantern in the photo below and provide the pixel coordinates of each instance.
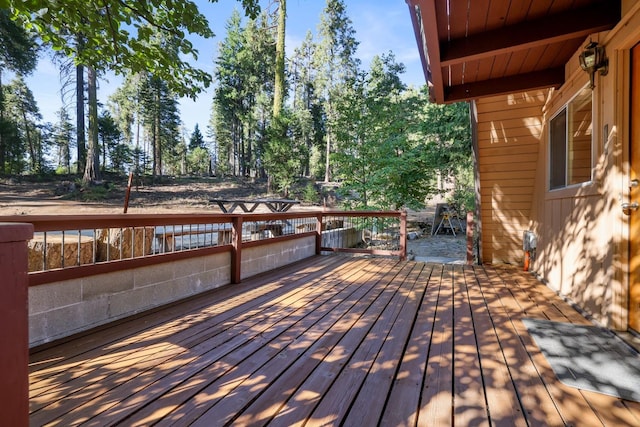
(592, 59)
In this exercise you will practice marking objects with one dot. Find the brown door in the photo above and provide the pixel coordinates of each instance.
(634, 194)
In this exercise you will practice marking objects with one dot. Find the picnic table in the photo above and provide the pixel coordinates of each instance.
(248, 206)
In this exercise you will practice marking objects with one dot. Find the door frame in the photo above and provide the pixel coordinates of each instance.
(633, 288)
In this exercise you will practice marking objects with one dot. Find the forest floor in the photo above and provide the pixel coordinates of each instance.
(190, 195)
(64, 197)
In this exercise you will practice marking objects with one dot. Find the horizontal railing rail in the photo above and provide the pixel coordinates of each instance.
(73, 246)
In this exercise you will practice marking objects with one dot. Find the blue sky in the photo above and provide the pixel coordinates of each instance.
(381, 26)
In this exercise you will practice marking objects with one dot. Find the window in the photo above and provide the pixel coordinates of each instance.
(570, 142)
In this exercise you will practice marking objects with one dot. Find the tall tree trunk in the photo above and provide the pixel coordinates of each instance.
(80, 138)
(278, 90)
(154, 158)
(139, 154)
(92, 167)
(157, 140)
(327, 165)
(32, 151)
(104, 155)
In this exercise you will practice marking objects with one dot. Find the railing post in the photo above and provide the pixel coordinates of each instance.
(470, 226)
(403, 235)
(236, 252)
(14, 333)
(319, 233)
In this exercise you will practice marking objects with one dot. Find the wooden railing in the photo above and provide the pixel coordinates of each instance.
(68, 247)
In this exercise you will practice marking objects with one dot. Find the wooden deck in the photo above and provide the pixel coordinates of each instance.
(331, 341)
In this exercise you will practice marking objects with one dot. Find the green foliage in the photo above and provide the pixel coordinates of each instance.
(199, 161)
(243, 99)
(18, 49)
(336, 65)
(392, 143)
(447, 130)
(307, 107)
(160, 119)
(281, 157)
(121, 157)
(387, 144)
(62, 140)
(92, 193)
(196, 140)
(121, 35)
(21, 136)
(316, 164)
(310, 194)
(109, 135)
(380, 164)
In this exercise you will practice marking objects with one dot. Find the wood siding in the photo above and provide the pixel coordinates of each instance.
(583, 235)
(509, 132)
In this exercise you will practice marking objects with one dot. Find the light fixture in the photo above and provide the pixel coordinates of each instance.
(592, 59)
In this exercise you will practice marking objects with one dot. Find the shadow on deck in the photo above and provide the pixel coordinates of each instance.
(329, 341)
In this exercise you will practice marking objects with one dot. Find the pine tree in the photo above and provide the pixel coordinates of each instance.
(92, 166)
(196, 140)
(336, 63)
(228, 102)
(22, 109)
(308, 119)
(243, 98)
(125, 105)
(278, 92)
(63, 140)
(160, 120)
(18, 53)
(109, 136)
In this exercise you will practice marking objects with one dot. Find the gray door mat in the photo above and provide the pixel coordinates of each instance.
(588, 357)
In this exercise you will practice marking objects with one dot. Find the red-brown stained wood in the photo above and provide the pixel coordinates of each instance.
(470, 407)
(535, 399)
(269, 405)
(14, 324)
(437, 393)
(333, 340)
(404, 398)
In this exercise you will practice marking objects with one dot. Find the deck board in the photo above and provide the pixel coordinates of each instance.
(329, 341)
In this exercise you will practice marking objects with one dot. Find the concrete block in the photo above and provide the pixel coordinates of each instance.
(94, 313)
(211, 279)
(221, 276)
(54, 324)
(107, 284)
(187, 267)
(184, 287)
(153, 274)
(213, 262)
(54, 295)
(164, 293)
(131, 302)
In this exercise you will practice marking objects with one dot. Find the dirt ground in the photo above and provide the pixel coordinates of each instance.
(60, 197)
(191, 196)
(177, 196)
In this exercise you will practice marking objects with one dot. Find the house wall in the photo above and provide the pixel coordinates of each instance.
(508, 137)
(582, 233)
